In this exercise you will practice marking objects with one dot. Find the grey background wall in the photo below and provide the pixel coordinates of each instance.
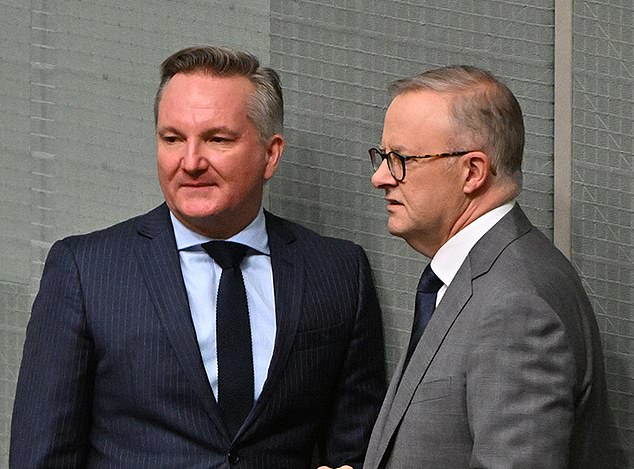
(77, 144)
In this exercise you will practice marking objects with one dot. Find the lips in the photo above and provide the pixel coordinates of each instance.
(392, 202)
(196, 184)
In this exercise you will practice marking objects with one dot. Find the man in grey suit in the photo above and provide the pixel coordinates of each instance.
(132, 357)
(508, 372)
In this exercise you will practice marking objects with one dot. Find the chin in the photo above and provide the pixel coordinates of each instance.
(198, 208)
(393, 226)
(400, 231)
(396, 231)
(193, 215)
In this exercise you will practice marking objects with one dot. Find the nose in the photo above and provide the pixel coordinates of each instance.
(193, 160)
(382, 176)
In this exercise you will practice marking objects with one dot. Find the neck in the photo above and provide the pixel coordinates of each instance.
(474, 207)
(494, 197)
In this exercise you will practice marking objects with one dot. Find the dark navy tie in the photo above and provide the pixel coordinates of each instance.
(233, 335)
(426, 293)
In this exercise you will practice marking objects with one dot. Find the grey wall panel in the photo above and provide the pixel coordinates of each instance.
(15, 34)
(77, 132)
(336, 61)
(77, 145)
(106, 76)
(15, 194)
(603, 188)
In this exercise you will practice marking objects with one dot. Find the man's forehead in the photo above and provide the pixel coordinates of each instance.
(202, 91)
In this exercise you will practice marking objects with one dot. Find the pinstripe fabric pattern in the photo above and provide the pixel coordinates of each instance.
(112, 376)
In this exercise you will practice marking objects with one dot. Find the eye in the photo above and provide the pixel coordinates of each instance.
(169, 138)
(219, 139)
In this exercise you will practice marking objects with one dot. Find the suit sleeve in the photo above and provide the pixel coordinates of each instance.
(362, 384)
(51, 416)
(519, 387)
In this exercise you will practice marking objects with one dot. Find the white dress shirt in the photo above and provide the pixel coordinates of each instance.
(202, 276)
(452, 254)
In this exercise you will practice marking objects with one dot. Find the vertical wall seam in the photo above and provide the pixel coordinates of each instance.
(562, 223)
(42, 136)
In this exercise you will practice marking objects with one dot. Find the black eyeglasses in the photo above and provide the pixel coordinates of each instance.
(396, 161)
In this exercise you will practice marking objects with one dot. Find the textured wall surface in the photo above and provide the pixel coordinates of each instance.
(77, 131)
(603, 188)
(336, 62)
(14, 141)
(15, 227)
(77, 145)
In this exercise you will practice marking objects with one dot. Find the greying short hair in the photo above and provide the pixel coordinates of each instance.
(485, 113)
(265, 107)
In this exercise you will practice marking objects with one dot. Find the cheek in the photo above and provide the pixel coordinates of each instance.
(416, 199)
(240, 172)
(166, 163)
(162, 177)
(243, 183)
(166, 174)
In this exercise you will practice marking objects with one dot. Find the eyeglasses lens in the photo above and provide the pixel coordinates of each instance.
(394, 163)
(396, 166)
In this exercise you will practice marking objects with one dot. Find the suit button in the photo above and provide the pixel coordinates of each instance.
(233, 458)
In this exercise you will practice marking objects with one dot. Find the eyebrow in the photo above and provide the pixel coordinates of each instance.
(167, 130)
(395, 149)
(206, 133)
(220, 130)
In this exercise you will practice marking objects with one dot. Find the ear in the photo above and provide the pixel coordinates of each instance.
(477, 166)
(274, 149)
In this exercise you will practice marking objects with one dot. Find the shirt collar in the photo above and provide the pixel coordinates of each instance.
(452, 254)
(254, 235)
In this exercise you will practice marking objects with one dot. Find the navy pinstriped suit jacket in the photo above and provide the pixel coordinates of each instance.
(112, 376)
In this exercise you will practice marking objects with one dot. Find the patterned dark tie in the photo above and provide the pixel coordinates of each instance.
(233, 335)
(428, 287)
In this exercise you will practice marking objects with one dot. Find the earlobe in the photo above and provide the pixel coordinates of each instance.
(274, 150)
(478, 167)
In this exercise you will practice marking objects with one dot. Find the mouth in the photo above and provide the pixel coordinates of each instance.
(196, 185)
(392, 202)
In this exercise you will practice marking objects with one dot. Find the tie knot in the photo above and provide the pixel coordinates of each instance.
(227, 254)
(429, 282)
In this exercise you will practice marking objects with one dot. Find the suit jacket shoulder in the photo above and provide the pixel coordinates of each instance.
(113, 306)
(150, 224)
(291, 232)
(510, 354)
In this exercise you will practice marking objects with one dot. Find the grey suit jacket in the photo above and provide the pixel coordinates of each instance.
(509, 372)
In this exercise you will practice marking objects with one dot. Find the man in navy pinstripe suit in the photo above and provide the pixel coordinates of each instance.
(120, 361)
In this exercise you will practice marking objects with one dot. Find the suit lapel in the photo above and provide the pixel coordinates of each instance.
(287, 264)
(478, 262)
(160, 264)
(406, 381)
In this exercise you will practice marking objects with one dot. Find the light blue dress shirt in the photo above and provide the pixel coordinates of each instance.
(202, 276)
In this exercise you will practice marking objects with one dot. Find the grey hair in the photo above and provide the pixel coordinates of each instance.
(265, 107)
(483, 109)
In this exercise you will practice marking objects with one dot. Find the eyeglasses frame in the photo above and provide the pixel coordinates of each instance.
(404, 158)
